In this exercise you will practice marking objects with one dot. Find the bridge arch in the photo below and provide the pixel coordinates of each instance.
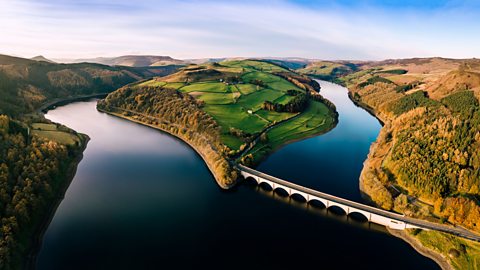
(359, 215)
(317, 203)
(265, 185)
(251, 180)
(338, 208)
(297, 196)
(281, 189)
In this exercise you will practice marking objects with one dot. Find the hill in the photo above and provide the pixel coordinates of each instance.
(41, 58)
(426, 160)
(236, 110)
(133, 61)
(328, 70)
(39, 158)
(26, 84)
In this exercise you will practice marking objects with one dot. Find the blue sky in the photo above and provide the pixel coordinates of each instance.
(343, 29)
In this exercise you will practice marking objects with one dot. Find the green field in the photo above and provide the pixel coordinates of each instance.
(50, 131)
(152, 83)
(175, 85)
(211, 87)
(468, 251)
(258, 75)
(236, 116)
(216, 98)
(314, 120)
(255, 100)
(246, 89)
(284, 99)
(256, 65)
(44, 126)
(235, 99)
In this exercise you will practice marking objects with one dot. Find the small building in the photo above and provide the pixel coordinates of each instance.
(250, 111)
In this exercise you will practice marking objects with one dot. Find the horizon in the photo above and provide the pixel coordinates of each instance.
(337, 30)
(68, 60)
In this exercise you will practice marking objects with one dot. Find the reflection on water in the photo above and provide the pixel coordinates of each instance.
(142, 199)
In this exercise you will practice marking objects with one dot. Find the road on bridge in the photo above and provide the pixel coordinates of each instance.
(423, 224)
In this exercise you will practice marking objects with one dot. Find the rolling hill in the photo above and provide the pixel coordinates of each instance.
(133, 61)
(42, 58)
(25, 84)
(231, 111)
(38, 158)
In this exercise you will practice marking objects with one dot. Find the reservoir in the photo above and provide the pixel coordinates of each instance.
(142, 199)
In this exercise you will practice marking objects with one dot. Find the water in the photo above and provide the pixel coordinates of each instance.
(332, 162)
(142, 199)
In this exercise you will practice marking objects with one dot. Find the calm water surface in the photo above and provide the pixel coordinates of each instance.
(142, 199)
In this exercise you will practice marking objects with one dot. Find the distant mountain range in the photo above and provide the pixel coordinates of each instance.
(159, 60)
(129, 61)
(41, 58)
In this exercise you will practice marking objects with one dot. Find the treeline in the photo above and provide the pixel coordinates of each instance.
(32, 171)
(297, 104)
(410, 102)
(318, 97)
(463, 102)
(178, 114)
(301, 81)
(374, 80)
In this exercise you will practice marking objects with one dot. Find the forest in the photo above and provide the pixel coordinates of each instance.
(297, 104)
(428, 148)
(32, 173)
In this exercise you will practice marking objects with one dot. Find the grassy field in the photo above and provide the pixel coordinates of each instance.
(462, 254)
(236, 116)
(284, 99)
(314, 120)
(211, 87)
(152, 83)
(246, 89)
(234, 92)
(51, 132)
(255, 100)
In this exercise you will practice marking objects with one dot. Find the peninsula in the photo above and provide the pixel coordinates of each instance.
(231, 111)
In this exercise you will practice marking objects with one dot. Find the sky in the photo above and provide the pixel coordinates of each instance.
(183, 29)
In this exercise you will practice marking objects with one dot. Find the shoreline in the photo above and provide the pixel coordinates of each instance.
(278, 148)
(437, 257)
(334, 115)
(415, 244)
(220, 184)
(51, 209)
(64, 101)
